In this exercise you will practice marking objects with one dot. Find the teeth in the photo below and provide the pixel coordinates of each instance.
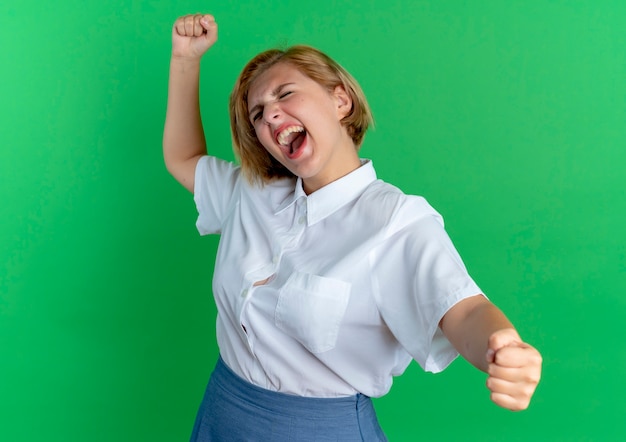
(283, 137)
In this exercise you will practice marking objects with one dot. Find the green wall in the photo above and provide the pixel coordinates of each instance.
(509, 116)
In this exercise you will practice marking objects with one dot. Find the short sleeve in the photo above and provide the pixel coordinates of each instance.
(215, 189)
(424, 278)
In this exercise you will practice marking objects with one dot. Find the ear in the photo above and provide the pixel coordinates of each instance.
(343, 100)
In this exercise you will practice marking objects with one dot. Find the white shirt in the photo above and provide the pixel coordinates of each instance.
(351, 280)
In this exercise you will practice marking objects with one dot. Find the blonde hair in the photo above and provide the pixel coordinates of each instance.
(257, 164)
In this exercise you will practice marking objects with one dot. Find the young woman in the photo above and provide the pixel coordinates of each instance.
(328, 281)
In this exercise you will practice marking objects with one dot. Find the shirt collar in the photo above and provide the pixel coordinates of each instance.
(332, 197)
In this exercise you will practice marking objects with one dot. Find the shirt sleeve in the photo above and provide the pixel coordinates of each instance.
(215, 189)
(424, 278)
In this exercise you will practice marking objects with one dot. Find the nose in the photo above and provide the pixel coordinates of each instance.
(271, 113)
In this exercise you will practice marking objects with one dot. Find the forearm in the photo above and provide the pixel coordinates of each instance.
(487, 339)
(470, 324)
(183, 136)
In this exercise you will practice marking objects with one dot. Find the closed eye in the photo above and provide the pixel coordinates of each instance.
(257, 115)
(285, 94)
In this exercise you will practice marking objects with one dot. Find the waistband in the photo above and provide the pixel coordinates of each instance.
(286, 404)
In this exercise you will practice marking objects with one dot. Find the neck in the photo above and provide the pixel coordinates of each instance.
(344, 162)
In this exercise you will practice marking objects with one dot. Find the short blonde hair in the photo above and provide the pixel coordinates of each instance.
(257, 164)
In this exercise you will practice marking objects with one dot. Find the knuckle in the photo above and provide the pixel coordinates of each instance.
(519, 406)
(533, 377)
(526, 392)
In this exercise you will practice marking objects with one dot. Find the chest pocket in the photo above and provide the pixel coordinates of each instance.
(310, 309)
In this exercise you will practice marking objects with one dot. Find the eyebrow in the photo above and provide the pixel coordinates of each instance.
(274, 93)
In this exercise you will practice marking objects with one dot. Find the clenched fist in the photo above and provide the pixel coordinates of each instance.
(514, 370)
(193, 35)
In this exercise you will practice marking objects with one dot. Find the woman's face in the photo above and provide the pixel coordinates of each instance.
(298, 121)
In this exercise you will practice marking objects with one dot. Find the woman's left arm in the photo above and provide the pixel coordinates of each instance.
(486, 338)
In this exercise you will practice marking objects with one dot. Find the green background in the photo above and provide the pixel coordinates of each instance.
(508, 116)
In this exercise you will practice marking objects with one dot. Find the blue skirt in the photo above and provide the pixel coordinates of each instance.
(235, 410)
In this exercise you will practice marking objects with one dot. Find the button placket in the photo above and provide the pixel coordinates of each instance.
(303, 214)
(244, 300)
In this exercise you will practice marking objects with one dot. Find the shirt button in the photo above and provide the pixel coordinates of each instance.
(244, 293)
(275, 259)
(302, 219)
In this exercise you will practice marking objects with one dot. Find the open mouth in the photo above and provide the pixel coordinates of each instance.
(291, 138)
